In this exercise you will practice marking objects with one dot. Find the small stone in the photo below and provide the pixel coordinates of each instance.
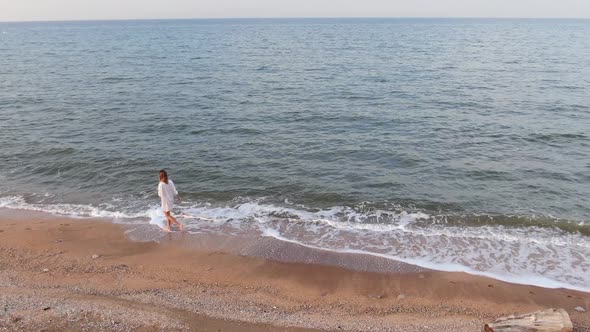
(401, 297)
(421, 276)
(95, 256)
(45, 270)
(580, 309)
(46, 308)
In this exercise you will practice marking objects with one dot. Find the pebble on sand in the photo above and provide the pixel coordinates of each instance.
(95, 256)
(580, 309)
(45, 270)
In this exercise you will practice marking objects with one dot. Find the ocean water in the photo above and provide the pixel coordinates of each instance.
(460, 145)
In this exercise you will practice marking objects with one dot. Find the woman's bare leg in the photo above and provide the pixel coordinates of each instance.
(167, 229)
(170, 219)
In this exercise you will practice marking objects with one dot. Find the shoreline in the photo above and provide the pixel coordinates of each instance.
(514, 255)
(177, 285)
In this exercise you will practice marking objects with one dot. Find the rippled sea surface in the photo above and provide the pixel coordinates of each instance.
(451, 144)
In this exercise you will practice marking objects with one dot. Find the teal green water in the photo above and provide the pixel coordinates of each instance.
(356, 134)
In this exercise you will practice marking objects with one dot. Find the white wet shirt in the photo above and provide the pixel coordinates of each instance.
(167, 191)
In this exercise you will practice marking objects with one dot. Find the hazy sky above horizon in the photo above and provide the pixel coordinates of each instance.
(33, 10)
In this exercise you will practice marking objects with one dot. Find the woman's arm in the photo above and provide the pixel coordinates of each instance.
(175, 191)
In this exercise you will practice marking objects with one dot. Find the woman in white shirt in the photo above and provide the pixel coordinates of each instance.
(167, 192)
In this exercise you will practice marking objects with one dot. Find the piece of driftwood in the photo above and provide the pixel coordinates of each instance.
(550, 320)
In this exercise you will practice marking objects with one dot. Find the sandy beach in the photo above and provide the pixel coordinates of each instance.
(60, 274)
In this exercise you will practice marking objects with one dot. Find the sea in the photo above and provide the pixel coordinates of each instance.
(451, 144)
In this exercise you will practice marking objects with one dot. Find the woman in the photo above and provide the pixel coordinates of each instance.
(167, 191)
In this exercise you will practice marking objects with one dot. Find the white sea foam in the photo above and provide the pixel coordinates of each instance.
(534, 280)
(538, 256)
(156, 215)
(71, 210)
(531, 255)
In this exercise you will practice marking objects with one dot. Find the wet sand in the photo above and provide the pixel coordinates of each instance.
(61, 274)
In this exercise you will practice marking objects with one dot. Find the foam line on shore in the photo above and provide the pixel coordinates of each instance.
(521, 280)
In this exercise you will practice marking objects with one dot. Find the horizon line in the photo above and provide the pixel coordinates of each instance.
(295, 18)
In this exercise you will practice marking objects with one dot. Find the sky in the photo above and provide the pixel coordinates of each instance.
(50, 10)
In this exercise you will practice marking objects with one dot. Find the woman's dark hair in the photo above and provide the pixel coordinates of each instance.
(163, 176)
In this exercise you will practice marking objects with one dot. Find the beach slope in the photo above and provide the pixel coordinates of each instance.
(68, 274)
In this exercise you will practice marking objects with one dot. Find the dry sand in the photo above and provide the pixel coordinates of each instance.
(60, 274)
